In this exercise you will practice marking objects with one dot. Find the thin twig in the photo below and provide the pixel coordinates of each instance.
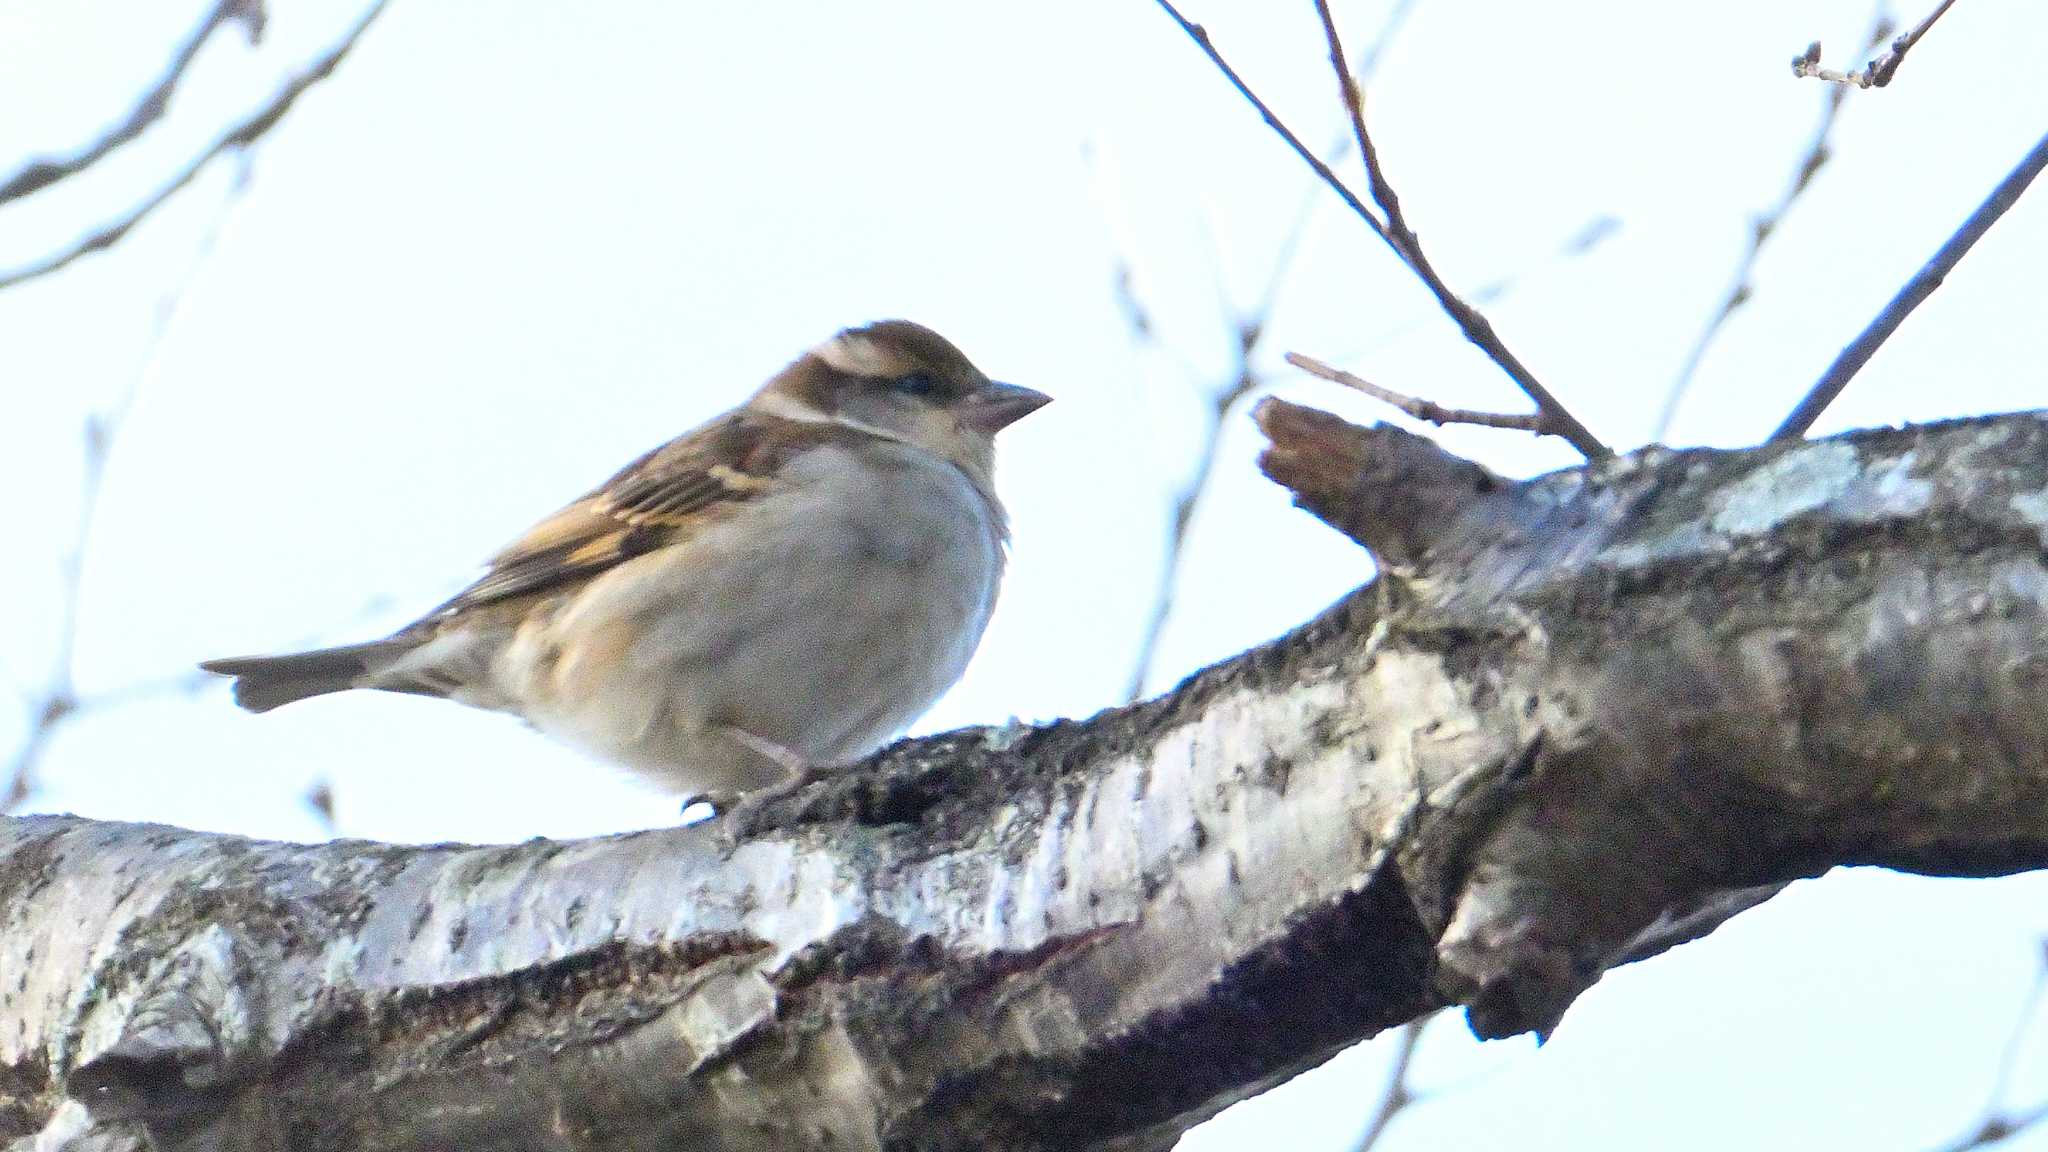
(1998, 1129)
(1221, 404)
(1398, 1095)
(43, 171)
(1339, 149)
(1476, 327)
(1396, 232)
(1249, 328)
(58, 700)
(235, 139)
(1999, 1123)
(1145, 333)
(1587, 238)
(1909, 297)
(1537, 422)
(1200, 36)
(1811, 161)
(1243, 384)
(1369, 61)
(1878, 72)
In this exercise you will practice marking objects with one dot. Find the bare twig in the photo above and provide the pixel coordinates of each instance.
(1811, 161)
(1915, 291)
(43, 171)
(1200, 36)
(58, 700)
(1999, 1123)
(235, 139)
(1396, 232)
(1586, 238)
(1398, 1095)
(1368, 65)
(1248, 328)
(1221, 404)
(1369, 60)
(1589, 236)
(1429, 410)
(1998, 1129)
(1476, 327)
(1879, 71)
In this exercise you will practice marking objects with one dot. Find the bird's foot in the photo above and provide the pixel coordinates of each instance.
(790, 763)
(740, 812)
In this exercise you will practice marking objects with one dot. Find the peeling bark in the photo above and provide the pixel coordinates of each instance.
(1576, 720)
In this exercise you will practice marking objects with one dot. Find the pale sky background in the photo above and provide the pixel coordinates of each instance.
(509, 246)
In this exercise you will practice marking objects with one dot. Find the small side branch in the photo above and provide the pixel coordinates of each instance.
(1915, 291)
(1399, 1092)
(1429, 410)
(1243, 382)
(58, 700)
(1396, 232)
(43, 171)
(2000, 1121)
(1879, 71)
(1762, 228)
(235, 139)
(1245, 329)
(1200, 36)
(1469, 320)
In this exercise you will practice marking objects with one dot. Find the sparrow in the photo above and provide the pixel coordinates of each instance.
(778, 592)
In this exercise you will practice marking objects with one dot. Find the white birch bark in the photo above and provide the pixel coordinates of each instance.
(1575, 721)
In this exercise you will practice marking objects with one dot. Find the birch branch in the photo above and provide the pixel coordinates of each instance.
(1575, 721)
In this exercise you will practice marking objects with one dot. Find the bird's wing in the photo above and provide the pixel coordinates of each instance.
(662, 499)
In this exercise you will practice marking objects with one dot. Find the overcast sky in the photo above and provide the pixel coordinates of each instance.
(508, 247)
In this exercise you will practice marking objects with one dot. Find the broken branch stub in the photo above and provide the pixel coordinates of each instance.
(1579, 719)
(1388, 489)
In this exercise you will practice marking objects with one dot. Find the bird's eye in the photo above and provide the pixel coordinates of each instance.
(915, 384)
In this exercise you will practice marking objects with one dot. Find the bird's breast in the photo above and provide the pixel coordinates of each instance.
(825, 617)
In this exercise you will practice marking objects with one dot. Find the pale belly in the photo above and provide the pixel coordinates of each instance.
(824, 621)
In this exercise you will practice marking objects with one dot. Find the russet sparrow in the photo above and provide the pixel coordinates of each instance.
(783, 589)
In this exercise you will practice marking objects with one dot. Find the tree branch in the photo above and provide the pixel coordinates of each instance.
(1913, 294)
(1248, 328)
(1476, 327)
(43, 171)
(1425, 409)
(1200, 36)
(240, 136)
(1221, 403)
(2000, 1121)
(1765, 225)
(56, 701)
(1408, 246)
(1578, 718)
(1878, 72)
(1398, 1094)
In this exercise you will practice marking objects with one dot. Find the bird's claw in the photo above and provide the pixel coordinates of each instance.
(743, 816)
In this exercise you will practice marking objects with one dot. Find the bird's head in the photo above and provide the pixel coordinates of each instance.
(906, 382)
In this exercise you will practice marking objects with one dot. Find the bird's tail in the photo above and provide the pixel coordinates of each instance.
(266, 682)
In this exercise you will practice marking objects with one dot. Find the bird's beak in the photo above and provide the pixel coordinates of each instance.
(998, 406)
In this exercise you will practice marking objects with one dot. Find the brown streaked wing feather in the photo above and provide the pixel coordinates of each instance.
(658, 500)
